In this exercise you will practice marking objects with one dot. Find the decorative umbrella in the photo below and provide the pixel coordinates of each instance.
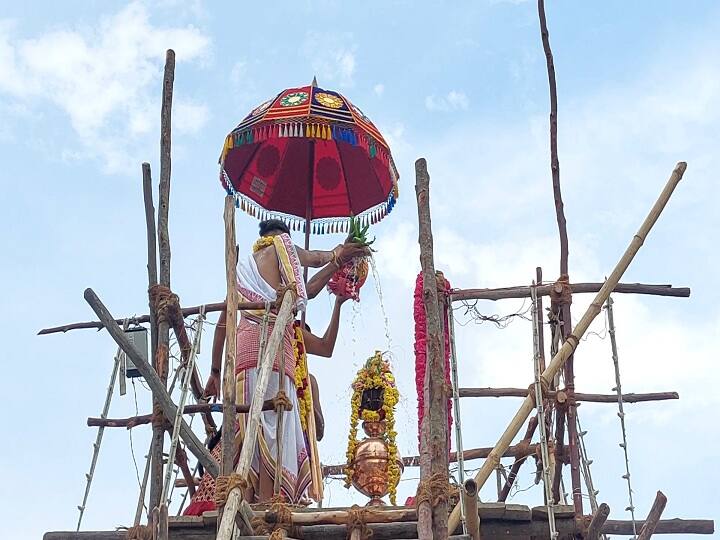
(311, 158)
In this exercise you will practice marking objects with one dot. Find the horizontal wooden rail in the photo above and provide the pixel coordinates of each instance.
(579, 396)
(523, 291)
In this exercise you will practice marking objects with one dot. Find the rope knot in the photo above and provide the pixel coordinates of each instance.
(434, 490)
(357, 521)
(158, 419)
(163, 301)
(225, 484)
(139, 532)
(560, 293)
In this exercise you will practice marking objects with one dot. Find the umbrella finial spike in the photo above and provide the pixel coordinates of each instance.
(314, 82)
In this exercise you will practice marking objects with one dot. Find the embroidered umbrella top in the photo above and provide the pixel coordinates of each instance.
(309, 156)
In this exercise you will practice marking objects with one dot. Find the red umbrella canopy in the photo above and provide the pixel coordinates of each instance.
(309, 154)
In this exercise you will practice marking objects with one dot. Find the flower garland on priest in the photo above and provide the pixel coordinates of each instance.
(376, 374)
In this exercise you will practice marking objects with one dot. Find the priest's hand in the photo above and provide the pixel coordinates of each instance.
(351, 250)
(212, 387)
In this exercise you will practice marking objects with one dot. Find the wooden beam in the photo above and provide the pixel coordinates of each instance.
(133, 421)
(597, 522)
(590, 398)
(153, 381)
(186, 312)
(653, 518)
(523, 291)
(434, 432)
(664, 526)
(573, 340)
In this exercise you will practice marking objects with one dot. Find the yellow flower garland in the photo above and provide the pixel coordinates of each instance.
(302, 378)
(262, 242)
(375, 374)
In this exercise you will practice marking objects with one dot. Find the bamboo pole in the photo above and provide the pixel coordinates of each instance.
(285, 315)
(228, 385)
(653, 518)
(631, 397)
(434, 431)
(572, 341)
(153, 381)
(472, 518)
(523, 291)
(597, 522)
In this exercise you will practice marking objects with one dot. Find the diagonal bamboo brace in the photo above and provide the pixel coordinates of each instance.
(572, 340)
(227, 523)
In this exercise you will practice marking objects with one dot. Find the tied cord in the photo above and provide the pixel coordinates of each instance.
(434, 490)
(225, 484)
(158, 419)
(281, 517)
(163, 300)
(563, 296)
(139, 532)
(357, 522)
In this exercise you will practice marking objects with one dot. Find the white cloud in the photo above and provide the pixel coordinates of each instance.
(107, 80)
(189, 117)
(379, 89)
(453, 101)
(332, 58)
(238, 72)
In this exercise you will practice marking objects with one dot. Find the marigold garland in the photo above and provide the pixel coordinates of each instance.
(375, 374)
(302, 378)
(262, 242)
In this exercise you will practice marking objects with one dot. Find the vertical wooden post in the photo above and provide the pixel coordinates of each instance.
(163, 340)
(435, 430)
(229, 397)
(651, 522)
(562, 229)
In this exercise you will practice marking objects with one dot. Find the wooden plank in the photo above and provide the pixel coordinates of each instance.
(228, 381)
(561, 511)
(511, 512)
(653, 516)
(597, 522)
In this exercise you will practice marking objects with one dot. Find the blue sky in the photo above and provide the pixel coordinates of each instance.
(462, 84)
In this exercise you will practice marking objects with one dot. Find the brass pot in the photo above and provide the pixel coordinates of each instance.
(370, 475)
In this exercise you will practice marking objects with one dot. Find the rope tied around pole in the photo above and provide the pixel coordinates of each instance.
(158, 419)
(560, 293)
(163, 299)
(280, 515)
(225, 484)
(139, 532)
(292, 287)
(282, 401)
(357, 521)
(434, 490)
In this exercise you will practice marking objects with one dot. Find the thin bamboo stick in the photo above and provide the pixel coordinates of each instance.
(572, 341)
(227, 523)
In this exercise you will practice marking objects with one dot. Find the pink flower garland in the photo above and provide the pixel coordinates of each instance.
(421, 352)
